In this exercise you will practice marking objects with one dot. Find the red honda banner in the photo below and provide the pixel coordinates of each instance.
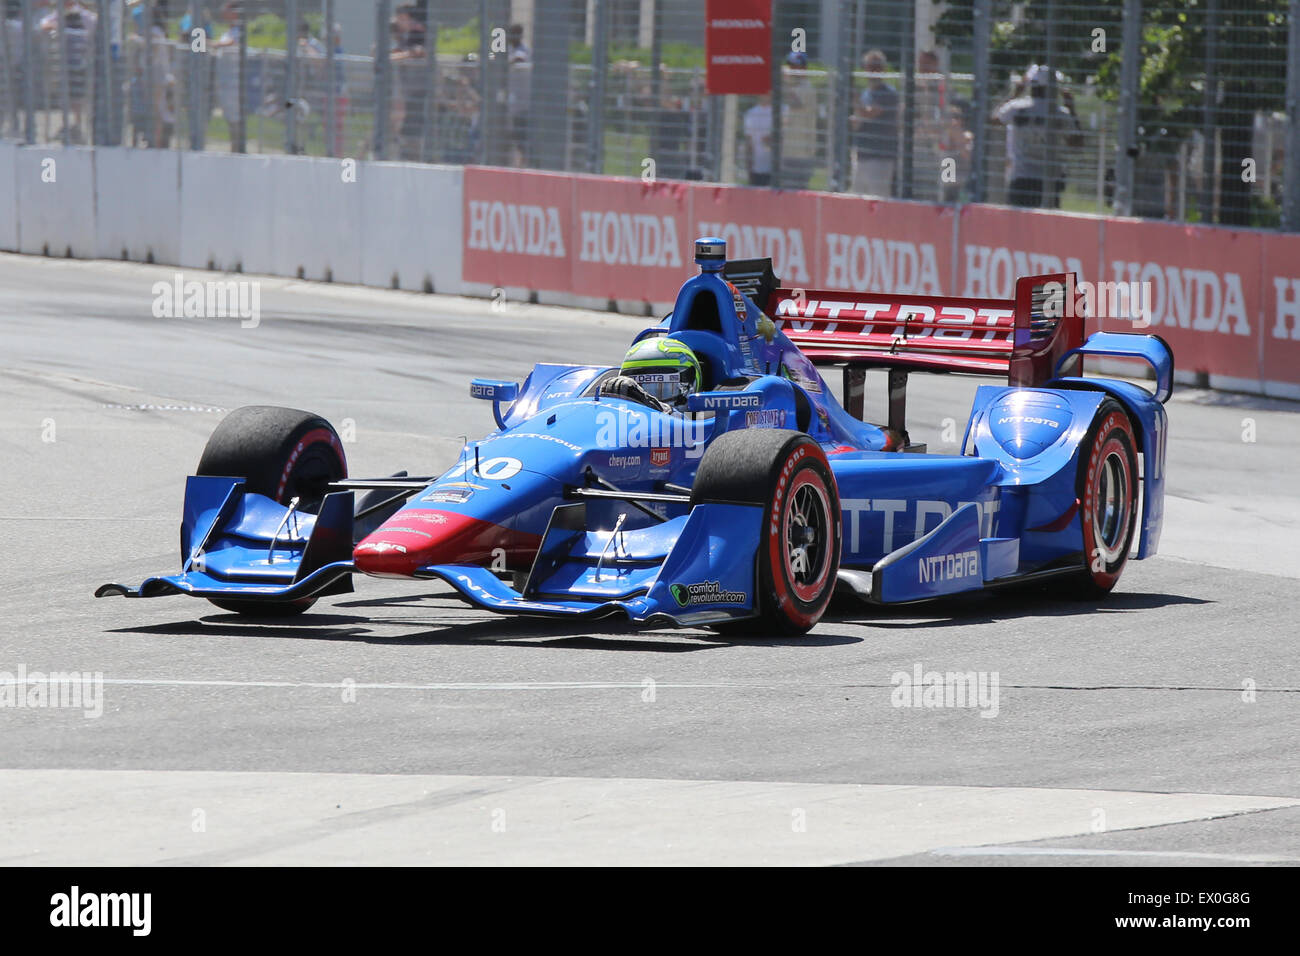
(1227, 301)
(876, 245)
(1200, 286)
(632, 239)
(996, 246)
(738, 46)
(518, 228)
(760, 223)
(1280, 334)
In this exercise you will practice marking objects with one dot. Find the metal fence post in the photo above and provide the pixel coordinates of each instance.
(195, 72)
(596, 104)
(1291, 176)
(1125, 161)
(904, 186)
(61, 22)
(983, 26)
(841, 101)
(484, 81)
(291, 77)
(29, 77)
(151, 120)
(102, 101)
(429, 132)
(778, 102)
(9, 120)
(383, 78)
(330, 80)
(240, 139)
(1209, 105)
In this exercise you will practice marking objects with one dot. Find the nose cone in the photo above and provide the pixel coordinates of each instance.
(415, 537)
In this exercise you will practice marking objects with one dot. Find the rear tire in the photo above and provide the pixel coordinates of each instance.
(799, 552)
(282, 453)
(1106, 487)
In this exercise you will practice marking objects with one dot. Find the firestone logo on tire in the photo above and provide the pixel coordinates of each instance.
(780, 489)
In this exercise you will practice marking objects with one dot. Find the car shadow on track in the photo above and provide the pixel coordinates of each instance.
(993, 607)
(497, 631)
(423, 629)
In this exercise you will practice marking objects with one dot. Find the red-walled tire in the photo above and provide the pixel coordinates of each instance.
(282, 453)
(1107, 488)
(799, 552)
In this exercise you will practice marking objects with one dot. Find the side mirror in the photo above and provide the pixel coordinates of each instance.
(496, 392)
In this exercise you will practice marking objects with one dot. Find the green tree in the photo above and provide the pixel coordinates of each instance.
(1249, 67)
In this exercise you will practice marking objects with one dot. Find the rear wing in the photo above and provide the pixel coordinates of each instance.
(1022, 338)
(1031, 338)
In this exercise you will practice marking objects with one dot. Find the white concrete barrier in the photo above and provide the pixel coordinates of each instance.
(8, 198)
(316, 219)
(55, 196)
(137, 204)
(226, 204)
(411, 226)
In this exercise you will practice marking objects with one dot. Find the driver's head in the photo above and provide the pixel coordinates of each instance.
(665, 367)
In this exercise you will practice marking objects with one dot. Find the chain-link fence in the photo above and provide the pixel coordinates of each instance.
(1174, 110)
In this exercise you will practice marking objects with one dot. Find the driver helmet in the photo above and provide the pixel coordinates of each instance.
(664, 367)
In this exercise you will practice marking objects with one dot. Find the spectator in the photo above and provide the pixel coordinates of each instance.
(518, 93)
(155, 119)
(227, 69)
(410, 83)
(758, 136)
(1037, 128)
(70, 32)
(929, 121)
(798, 123)
(957, 143)
(875, 131)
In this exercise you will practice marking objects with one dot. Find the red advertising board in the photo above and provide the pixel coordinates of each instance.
(1227, 301)
(1280, 315)
(1203, 288)
(759, 223)
(996, 246)
(631, 240)
(738, 46)
(875, 245)
(518, 228)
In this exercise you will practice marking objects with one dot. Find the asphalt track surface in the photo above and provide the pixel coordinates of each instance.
(398, 725)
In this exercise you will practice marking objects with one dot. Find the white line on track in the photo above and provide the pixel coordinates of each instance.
(612, 685)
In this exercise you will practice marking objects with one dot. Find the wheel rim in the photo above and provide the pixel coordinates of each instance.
(1111, 514)
(807, 538)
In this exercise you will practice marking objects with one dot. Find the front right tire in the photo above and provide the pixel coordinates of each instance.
(787, 473)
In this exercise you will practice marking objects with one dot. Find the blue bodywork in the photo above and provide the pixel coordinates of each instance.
(915, 526)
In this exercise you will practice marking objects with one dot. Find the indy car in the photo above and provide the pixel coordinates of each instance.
(714, 479)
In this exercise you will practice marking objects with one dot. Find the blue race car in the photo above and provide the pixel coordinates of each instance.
(712, 478)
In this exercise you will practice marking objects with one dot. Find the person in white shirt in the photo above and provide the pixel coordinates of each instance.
(758, 136)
